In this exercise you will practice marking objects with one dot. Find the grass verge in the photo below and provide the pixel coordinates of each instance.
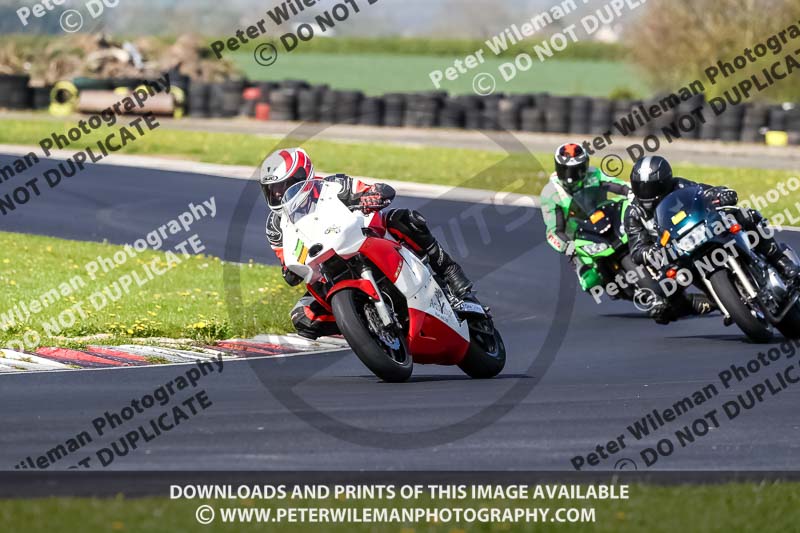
(186, 301)
(706, 508)
(522, 173)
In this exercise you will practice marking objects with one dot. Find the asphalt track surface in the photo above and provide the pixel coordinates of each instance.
(609, 365)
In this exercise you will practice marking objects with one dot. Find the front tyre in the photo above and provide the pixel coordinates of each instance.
(754, 326)
(384, 352)
(486, 356)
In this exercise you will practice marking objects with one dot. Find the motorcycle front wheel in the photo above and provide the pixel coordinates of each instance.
(755, 327)
(383, 351)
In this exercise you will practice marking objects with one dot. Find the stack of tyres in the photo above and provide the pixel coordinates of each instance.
(660, 116)
(394, 109)
(348, 104)
(295, 85)
(309, 102)
(776, 121)
(690, 108)
(473, 114)
(422, 110)
(198, 102)
(225, 99)
(510, 108)
(491, 111)
(452, 113)
(556, 114)
(532, 119)
(756, 117)
(327, 109)
(250, 98)
(580, 114)
(371, 111)
(730, 123)
(283, 104)
(601, 116)
(14, 92)
(40, 97)
(711, 127)
(793, 125)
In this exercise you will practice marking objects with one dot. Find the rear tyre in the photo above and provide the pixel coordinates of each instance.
(756, 328)
(790, 325)
(486, 356)
(384, 353)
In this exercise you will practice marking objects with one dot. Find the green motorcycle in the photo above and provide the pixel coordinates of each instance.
(602, 244)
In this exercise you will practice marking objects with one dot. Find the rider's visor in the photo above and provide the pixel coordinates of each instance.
(649, 191)
(277, 190)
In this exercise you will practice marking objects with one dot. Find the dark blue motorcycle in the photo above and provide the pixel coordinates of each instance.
(704, 244)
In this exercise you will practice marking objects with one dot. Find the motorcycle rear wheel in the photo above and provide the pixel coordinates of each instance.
(486, 356)
(757, 330)
(384, 353)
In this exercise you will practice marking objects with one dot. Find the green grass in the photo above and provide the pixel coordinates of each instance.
(693, 508)
(382, 73)
(188, 301)
(421, 46)
(521, 173)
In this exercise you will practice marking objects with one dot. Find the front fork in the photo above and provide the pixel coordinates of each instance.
(380, 305)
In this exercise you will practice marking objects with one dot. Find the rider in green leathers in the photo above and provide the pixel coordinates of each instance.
(561, 213)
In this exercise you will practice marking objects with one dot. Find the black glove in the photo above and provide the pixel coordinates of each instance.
(375, 198)
(291, 278)
(722, 196)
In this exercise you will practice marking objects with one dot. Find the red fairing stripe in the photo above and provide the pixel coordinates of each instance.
(377, 223)
(360, 284)
(432, 342)
(319, 298)
(385, 255)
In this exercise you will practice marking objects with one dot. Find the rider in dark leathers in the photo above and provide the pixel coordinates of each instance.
(651, 181)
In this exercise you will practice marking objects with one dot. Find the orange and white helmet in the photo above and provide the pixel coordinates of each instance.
(282, 169)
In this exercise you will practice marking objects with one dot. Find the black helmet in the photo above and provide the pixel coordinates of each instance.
(572, 164)
(651, 180)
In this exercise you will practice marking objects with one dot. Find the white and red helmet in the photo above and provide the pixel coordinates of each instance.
(281, 170)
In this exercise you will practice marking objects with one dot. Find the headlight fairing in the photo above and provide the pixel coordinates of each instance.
(595, 248)
(697, 236)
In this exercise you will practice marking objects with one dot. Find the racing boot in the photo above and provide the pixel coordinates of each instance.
(782, 262)
(453, 274)
(702, 304)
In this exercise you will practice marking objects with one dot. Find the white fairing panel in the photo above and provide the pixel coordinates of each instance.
(424, 294)
(331, 224)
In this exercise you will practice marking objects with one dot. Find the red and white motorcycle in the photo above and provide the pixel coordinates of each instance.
(388, 304)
